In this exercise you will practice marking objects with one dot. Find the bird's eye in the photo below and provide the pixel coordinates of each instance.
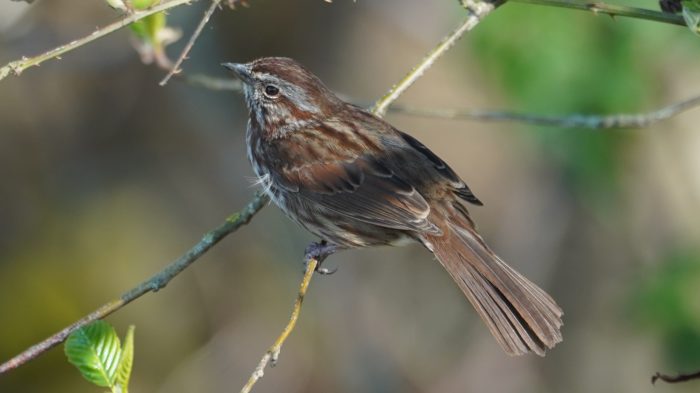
(272, 91)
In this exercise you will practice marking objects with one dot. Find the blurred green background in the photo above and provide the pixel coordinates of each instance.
(106, 177)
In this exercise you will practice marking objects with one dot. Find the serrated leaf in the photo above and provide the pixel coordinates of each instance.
(126, 362)
(96, 351)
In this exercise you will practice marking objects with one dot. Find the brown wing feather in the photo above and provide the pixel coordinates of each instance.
(360, 189)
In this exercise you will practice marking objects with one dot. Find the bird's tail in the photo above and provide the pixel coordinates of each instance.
(521, 316)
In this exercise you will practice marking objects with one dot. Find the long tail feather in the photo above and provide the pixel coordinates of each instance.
(521, 316)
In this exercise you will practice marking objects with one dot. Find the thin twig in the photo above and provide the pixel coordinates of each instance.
(16, 67)
(675, 378)
(153, 284)
(612, 10)
(273, 352)
(205, 19)
(623, 120)
(477, 10)
(631, 120)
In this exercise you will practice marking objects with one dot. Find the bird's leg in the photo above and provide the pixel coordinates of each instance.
(320, 251)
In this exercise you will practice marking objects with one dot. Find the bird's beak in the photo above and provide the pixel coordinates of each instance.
(241, 71)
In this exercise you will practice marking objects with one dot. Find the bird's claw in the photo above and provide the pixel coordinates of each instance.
(320, 251)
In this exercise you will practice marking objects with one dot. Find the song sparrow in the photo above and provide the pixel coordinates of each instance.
(354, 180)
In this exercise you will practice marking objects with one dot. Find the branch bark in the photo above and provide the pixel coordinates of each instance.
(205, 19)
(476, 11)
(273, 353)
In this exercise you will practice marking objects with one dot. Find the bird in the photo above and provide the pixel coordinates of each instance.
(352, 179)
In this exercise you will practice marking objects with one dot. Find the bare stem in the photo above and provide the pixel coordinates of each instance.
(675, 378)
(153, 284)
(477, 10)
(612, 10)
(272, 354)
(205, 19)
(16, 67)
(623, 120)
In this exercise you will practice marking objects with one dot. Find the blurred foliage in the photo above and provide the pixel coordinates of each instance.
(668, 304)
(544, 70)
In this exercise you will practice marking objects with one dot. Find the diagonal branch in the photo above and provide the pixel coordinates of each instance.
(273, 352)
(153, 284)
(16, 67)
(205, 19)
(477, 10)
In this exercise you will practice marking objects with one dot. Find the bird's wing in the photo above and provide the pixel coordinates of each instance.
(380, 176)
(363, 189)
(444, 172)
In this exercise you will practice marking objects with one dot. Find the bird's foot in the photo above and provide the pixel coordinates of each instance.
(320, 251)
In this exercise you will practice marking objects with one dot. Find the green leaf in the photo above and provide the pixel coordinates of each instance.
(691, 14)
(143, 4)
(96, 351)
(147, 28)
(127, 361)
